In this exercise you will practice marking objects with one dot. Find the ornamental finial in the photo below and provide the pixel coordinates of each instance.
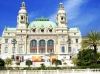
(61, 6)
(23, 3)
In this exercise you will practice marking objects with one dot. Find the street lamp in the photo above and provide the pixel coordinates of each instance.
(13, 42)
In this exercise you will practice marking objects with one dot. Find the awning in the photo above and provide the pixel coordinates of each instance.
(36, 58)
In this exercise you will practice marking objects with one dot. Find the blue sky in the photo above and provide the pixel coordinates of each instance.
(84, 14)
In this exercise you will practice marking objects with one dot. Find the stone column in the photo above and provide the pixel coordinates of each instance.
(66, 51)
(37, 46)
(54, 47)
(46, 46)
(28, 46)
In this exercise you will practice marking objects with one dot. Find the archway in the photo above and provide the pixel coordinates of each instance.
(50, 46)
(33, 46)
(42, 46)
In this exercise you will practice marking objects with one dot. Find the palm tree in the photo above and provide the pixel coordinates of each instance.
(92, 40)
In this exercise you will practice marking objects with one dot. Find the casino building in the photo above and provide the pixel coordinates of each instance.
(40, 40)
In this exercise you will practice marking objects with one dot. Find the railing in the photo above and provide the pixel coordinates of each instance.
(67, 71)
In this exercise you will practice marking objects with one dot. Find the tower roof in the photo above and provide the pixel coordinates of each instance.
(23, 8)
(23, 5)
(61, 8)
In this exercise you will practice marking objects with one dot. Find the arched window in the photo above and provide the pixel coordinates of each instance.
(42, 43)
(50, 43)
(69, 49)
(33, 30)
(33, 43)
(42, 46)
(22, 17)
(33, 46)
(42, 30)
(50, 30)
(63, 49)
(50, 46)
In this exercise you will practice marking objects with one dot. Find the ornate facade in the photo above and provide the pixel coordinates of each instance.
(41, 40)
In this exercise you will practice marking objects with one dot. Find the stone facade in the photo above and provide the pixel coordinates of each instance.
(41, 38)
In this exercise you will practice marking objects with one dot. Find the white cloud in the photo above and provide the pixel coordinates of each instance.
(72, 8)
(53, 17)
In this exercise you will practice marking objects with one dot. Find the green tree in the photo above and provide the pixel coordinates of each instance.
(92, 40)
(28, 63)
(2, 63)
(74, 59)
(43, 66)
(57, 62)
(8, 62)
(85, 57)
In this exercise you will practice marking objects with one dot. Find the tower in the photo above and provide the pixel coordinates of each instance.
(61, 16)
(62, 30)
(22, 18)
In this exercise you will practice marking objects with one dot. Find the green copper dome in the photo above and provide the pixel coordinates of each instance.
(42, 23)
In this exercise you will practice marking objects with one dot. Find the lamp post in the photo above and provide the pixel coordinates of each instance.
(13, 42)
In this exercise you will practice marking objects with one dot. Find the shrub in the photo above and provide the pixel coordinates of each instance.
(2, 64)
(8, 62)
(85, 57)
(28, 63)
(43, 66)
(57, 62)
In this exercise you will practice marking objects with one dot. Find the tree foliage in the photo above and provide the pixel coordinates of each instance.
(2, 63)
(85, 57)
(57, 62)
(92, 41)
(8, 61)
(28, 63)
(74, 59)
(43, 67)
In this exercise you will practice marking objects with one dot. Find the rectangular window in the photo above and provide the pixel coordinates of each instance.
(69, 41)
(13, 49)
(6, 40)
(6, 49)
(20, 49)
(63, 49)
(76, 40)
(69, 49)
